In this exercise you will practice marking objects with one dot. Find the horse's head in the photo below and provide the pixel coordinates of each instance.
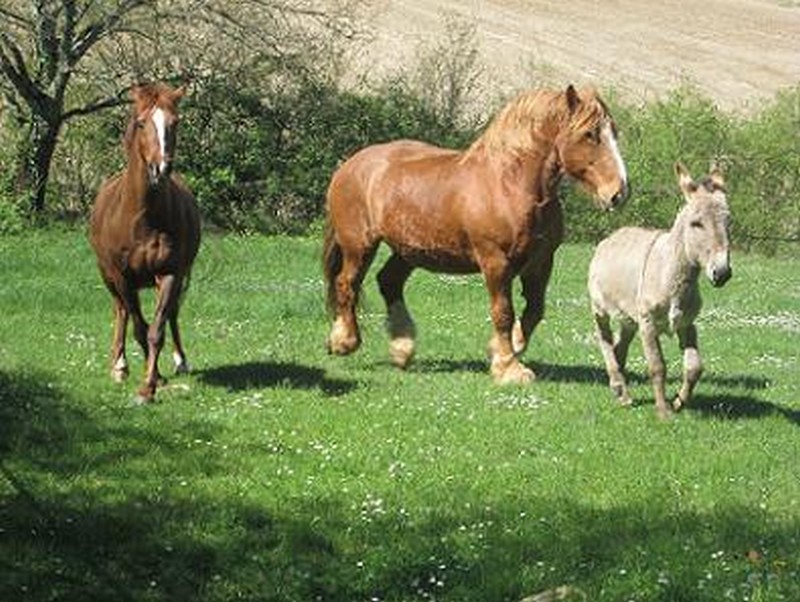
(152, 132)
(588, 150)
(705, 220)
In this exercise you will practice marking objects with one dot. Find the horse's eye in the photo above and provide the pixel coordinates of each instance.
(139, 123)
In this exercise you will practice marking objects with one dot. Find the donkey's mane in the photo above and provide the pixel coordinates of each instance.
(515, 127)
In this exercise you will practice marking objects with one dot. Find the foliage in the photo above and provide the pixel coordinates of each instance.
(278, 473)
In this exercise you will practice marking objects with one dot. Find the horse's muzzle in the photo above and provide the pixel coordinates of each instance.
(622, 195)
(158, 172)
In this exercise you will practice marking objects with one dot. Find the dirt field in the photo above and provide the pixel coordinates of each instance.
(739, 52)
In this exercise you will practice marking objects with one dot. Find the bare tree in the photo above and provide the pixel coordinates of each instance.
(41, 45)
(63, 59)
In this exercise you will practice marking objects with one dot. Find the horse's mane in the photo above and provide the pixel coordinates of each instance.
(520, 125)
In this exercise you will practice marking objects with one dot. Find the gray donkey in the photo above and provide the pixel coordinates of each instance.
(648, 279)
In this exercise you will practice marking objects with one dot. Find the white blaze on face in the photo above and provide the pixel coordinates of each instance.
(159, 120)
(607, 135)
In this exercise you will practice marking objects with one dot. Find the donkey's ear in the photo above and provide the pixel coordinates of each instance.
(684, 178)
(573, 100)
(716, 175)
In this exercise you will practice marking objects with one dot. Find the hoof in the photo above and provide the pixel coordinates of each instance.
(401, 351)
(144, 397)
(341, 341)
(622, 395)
(514, 374)
(664, 413)
(678, 404)
(181, 365)
(119, 375)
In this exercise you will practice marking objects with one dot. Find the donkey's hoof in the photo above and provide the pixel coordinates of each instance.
(664, 413)
(622, 395)
(678, 404)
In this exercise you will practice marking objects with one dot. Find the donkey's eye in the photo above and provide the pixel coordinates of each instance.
(696, 223)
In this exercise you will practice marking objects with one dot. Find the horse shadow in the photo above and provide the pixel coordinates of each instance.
(262, 375)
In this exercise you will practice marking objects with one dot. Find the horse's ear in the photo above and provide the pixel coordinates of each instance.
(573, 100)
(141, 94)
(178, 93)
(716, 175)
(684, 178)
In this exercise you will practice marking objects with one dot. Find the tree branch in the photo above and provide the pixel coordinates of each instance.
(16, 19)
(95, 106)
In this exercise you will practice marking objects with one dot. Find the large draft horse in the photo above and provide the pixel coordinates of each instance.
(145, 231)
(491, 208)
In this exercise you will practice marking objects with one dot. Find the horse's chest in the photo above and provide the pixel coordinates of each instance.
(154, 254)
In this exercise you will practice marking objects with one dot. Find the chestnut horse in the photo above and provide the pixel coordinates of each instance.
(145, 231)
(491, 208)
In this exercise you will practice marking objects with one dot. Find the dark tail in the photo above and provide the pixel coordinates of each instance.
(331, 264)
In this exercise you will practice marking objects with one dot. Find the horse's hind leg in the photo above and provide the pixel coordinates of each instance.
(391, 279)
(605, 339)
(119, 363)
(344, 336)
(178, 354)
(692, 365)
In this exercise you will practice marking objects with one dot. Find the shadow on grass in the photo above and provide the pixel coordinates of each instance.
(260, 375)
(738, 407)
(436, 366)
(131, 533)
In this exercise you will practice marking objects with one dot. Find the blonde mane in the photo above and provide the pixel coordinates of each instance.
(518, 127)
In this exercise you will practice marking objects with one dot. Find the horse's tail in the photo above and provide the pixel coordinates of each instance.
(331, 264)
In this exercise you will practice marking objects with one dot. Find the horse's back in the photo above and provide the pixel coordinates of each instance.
(381, 176)
(616, 270)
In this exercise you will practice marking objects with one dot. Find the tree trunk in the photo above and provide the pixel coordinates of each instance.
(35, 157)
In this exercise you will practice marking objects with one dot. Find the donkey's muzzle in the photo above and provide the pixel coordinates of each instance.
(720, 275)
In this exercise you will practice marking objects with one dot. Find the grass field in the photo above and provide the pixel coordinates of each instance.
(276, 472)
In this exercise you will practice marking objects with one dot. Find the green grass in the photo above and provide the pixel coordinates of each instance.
(276, 472)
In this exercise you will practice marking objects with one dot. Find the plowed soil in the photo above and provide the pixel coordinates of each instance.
(738, 52)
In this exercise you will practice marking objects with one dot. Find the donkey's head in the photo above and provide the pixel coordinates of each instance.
(152, 132)
(705, 220)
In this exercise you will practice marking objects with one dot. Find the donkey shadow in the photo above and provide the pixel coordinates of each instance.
(262, 375)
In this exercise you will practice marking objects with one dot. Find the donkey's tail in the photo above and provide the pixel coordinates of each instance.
(331, 264)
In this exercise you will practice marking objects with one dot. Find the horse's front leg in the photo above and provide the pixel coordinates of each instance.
(506, 368)
(692, 365)
(169, 288)
(534, 279)
(655, 364)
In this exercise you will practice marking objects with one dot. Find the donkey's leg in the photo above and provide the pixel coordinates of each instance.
(345, 337)
(391, 279)
(627, 332)
(692, 365)
(506, 368)
(169, 289)
(534, 284)
(605, 339)
(655, 363)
